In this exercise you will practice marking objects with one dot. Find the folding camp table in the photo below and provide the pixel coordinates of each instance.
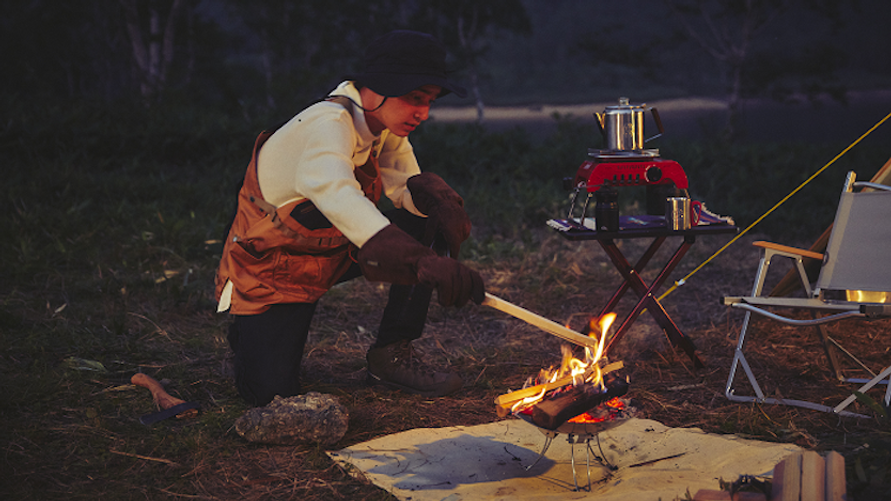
(645, 227)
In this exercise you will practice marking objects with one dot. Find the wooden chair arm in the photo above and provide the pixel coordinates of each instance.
(789, 250)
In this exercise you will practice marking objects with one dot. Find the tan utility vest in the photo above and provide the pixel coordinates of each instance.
(271, 258)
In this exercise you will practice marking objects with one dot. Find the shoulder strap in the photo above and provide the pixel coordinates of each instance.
(343, 101)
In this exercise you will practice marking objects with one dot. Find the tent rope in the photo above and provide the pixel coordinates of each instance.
(781, 202)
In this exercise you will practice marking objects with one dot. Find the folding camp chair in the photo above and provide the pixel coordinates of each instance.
(854, 282)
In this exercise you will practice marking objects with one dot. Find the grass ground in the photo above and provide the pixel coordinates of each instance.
(71, 428)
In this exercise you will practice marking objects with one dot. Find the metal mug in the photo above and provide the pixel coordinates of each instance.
(681, 213)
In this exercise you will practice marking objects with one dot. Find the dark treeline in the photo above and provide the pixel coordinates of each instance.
(232, 53)
(257, 56)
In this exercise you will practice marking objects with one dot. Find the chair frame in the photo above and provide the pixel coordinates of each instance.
(838, 310)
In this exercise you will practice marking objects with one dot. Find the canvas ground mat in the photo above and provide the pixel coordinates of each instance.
(487, 462)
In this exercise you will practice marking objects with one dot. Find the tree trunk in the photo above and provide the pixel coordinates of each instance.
(466, 39)
(477, 95)
(153, 49)
(266, 56)
(733, 103)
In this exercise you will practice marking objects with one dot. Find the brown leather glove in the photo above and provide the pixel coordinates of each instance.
(454, 282)
(444, 209)
(392, 255)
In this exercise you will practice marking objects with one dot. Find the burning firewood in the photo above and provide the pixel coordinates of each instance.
(553, 412)
(504, 403)
(574, 388)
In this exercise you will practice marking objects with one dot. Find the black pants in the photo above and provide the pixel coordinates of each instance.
(269, 346)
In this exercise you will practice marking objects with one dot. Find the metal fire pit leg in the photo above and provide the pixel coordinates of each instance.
(589, 452)
(602, 457)
(549, 437)
(572, 439)
(572, 461)
(588, 461)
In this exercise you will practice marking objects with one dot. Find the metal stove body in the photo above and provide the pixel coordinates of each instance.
(608, 169)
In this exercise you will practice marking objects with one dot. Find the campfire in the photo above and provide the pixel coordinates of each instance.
(580, 396)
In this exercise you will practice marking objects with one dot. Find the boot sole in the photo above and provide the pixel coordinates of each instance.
(373, 380)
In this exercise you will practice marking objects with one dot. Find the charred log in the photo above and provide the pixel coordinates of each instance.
(553, 412)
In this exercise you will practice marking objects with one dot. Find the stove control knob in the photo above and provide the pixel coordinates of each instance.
(654, 174)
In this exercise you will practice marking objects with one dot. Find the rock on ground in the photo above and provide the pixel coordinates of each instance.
(310, 418)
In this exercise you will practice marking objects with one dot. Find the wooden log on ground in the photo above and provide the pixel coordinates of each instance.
(807, 475)
(787, 479)
(813, 476)
(836, 487)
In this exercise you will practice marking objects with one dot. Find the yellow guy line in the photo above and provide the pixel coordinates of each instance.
(781, 202)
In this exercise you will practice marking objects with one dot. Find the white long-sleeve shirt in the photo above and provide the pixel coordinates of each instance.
(315, 154)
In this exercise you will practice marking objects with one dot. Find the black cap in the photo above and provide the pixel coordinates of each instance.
(401, 61)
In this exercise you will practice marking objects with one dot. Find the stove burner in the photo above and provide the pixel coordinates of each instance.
(623, 154)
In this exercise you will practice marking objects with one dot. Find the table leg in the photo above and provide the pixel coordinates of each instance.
(646, 296)
(610, 247)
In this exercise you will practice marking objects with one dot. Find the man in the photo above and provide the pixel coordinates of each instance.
(307, 218)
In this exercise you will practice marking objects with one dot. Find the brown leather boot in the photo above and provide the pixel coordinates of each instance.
(397, 366)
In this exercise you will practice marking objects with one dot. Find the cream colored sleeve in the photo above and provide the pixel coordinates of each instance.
(398, 163)
(316, 159)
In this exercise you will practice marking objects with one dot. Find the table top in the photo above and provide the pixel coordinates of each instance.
(637, 227)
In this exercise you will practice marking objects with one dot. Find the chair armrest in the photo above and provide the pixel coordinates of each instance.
(785, 249)
(876, 310)
(875, 186)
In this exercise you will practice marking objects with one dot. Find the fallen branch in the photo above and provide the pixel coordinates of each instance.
(147, 458)
(651, 461)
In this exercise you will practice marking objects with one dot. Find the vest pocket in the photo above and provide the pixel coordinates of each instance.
(310, 217)
(251, 272)
(311, 272)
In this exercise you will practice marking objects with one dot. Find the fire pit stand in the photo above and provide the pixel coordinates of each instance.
(577, 433)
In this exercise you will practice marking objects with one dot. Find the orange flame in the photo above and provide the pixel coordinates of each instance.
(581, 371)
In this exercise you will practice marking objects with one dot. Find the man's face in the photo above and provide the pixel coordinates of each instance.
(403, 114)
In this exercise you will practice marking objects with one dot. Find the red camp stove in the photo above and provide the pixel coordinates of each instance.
(610, 169)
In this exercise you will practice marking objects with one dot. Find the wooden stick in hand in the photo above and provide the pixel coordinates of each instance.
(542, 323)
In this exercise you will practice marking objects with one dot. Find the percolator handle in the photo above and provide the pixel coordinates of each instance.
(658, 124)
